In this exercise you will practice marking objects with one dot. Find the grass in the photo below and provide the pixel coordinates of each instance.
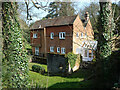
(73, 81)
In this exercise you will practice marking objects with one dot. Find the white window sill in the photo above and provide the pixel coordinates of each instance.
(61, 38)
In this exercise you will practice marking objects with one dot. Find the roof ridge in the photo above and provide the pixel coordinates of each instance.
(56, 18)
(61, 20)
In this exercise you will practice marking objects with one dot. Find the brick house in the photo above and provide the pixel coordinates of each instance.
(62, 35)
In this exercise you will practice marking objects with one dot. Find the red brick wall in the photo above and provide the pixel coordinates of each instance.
(37, 42)
(56, 42)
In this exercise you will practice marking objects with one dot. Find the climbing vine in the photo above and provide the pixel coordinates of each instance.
(71, 57)
(15, 63)
(107, 26)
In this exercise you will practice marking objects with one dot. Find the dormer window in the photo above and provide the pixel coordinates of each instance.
(61, 35)
(35, 35)
(52, 35)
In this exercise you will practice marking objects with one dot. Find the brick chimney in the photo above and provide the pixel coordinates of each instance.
(86, 16)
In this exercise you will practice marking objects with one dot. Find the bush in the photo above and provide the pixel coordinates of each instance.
(38, 69)
(71, 57)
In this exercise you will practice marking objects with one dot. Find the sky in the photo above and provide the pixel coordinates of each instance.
(80, 5)
(42, 13)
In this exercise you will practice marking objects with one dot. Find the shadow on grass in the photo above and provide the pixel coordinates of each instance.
(82, 84)
(81, 73)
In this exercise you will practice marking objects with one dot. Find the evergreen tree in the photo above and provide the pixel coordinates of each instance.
(14, 63)
(53, 10)
(106, 26)
(67, 9)
(60, 9)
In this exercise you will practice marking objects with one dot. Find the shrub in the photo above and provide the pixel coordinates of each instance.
(71, 57)
(38, 69)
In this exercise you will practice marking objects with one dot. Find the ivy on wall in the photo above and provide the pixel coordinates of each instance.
(14, 62)
(71, 57)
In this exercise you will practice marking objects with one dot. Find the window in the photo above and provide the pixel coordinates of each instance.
(51, 49)
(85, 53)
(62, 50)
(77, 50)
(40, 26)
(52, 35)
(81, 34)
(58, 49)
(61, 35)
(35, 35)
(85, 35)
(36, 50)
(77, 35)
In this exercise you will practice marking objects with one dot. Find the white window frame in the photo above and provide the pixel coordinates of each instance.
(36, 50)
(34, 35)
(86, 53)
(52, 35)
(61, 35)
(58, 49)
(62, 50)
(81, 35)
(51, 49)
(77, 35)
(77, 50)
(85, 35)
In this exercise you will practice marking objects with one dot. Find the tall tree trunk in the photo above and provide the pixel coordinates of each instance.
(105, 36)
(14, 62)
(106, 31)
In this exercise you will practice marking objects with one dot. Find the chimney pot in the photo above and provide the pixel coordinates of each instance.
(86, 16)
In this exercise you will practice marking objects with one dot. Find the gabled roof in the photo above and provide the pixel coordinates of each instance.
(84, 22)
(64, 20)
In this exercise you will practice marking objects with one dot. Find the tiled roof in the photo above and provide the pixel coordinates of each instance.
(64, 20)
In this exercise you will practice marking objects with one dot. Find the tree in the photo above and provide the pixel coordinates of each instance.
(53, 9)
(106, 26)
(67, 9)
(106, 29)
(93, 10)
(14, 62)
(116, 9)
(60, 9)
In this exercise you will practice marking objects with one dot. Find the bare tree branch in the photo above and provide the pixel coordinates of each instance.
(40, 5)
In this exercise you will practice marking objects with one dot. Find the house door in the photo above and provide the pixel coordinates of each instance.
(36, 50)
(85, 54)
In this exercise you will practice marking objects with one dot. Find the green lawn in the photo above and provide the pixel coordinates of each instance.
(73, 81)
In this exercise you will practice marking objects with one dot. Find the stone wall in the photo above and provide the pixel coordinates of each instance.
(56, 63)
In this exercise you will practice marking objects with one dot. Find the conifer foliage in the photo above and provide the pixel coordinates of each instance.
(14, 63)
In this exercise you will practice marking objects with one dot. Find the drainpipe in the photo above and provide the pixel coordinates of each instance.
(45, 52)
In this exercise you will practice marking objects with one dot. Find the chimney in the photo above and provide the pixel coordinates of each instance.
(86, 16)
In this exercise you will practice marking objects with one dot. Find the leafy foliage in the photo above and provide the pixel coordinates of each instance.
(71, 57)
(106, 27)
(15, 63)
(39, 69)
